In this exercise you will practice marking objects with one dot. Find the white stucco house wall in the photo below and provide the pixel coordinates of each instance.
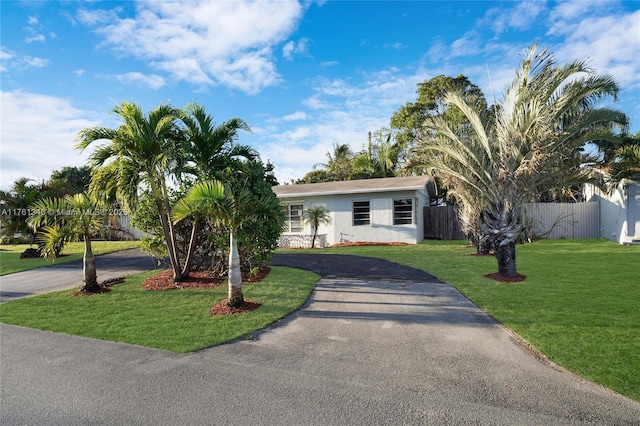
(369, 210)
(619, 211)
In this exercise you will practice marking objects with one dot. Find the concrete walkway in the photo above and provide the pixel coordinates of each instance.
(365, 350)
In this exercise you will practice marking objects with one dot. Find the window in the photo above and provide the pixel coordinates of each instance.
(361, 213)
(403, 211)
(294, 218)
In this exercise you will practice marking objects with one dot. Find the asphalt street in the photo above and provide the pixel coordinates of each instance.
(376, 344)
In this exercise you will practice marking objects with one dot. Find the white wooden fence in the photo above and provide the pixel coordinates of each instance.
(563, 220)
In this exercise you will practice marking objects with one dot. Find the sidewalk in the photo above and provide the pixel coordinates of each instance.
(68, 275)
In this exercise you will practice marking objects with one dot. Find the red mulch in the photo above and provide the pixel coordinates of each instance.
(105, 286)
(368, 243)
(510, 280)
(206, 279)
(223, 308)
(198, 279)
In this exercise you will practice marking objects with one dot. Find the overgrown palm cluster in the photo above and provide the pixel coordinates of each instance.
(167, 145)
(499, 159)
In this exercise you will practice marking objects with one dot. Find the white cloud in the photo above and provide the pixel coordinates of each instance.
(151, 81)
(38, 134)
(204, 42)
(12, 61)
(298, 115)
(36, 37)
(292, 48)
(78, 73)
(607, 42)
(520, 17)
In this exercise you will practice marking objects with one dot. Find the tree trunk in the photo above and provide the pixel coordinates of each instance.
(235, 275)
(313, 240)
(89, 274)
(483, 244)
(169, 241)
(506, 257)
(193, 243)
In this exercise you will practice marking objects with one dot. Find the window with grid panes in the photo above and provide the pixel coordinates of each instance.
(361, 213)
(294, 218)
(403, 211)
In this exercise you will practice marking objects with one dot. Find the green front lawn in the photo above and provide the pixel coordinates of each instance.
(173, 320)
(10, 261)
(580, 303)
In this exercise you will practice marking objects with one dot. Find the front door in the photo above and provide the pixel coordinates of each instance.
(633, 210)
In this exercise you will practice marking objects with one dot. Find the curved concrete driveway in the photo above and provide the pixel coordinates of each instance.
(377, 343)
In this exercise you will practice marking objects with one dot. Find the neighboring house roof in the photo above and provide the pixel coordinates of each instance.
(361, 186)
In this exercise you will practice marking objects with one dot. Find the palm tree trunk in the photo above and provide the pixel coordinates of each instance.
(313, 240)
(89, 274)
(169, 241)
(506, 257)
(236, 297)
(193, 242)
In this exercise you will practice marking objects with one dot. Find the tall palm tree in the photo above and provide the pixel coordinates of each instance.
(209, 153)
(381, 157)
(546, 113)
(209, 150)
(230, 208)
(141, 151)
(316, 216)
(339, 163)
(72, 217)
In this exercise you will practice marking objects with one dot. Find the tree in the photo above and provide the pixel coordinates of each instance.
(507, 158)
(430, 102)
(340, 163)
(316, 216)
(380, 159)
(72, 217)
(626, 163)
(15, 205)
(230, 208)
(72, 180)
(141, 151)
(209, 153)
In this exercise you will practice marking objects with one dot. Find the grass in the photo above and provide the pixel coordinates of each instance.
(580, 303)
(176, 321)
(10, 261)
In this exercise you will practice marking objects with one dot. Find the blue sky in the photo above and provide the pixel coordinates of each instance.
(303, 75)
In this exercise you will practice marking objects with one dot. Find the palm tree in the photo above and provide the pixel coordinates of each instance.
(626, 163)
(72, 217)
(340, 164)
(381, 157)
(229, 208)
(141, 151)
(509, 157)
(209, 153)
(316, 216)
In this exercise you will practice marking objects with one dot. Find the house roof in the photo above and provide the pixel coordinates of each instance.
(357, 186)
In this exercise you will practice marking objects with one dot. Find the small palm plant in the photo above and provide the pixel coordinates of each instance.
(70, 218)
(316, 216)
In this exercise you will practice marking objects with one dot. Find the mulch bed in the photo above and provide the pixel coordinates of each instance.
(197, 279)
(509, 280)
(223, 308)
(105, 286)
(206, 279)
